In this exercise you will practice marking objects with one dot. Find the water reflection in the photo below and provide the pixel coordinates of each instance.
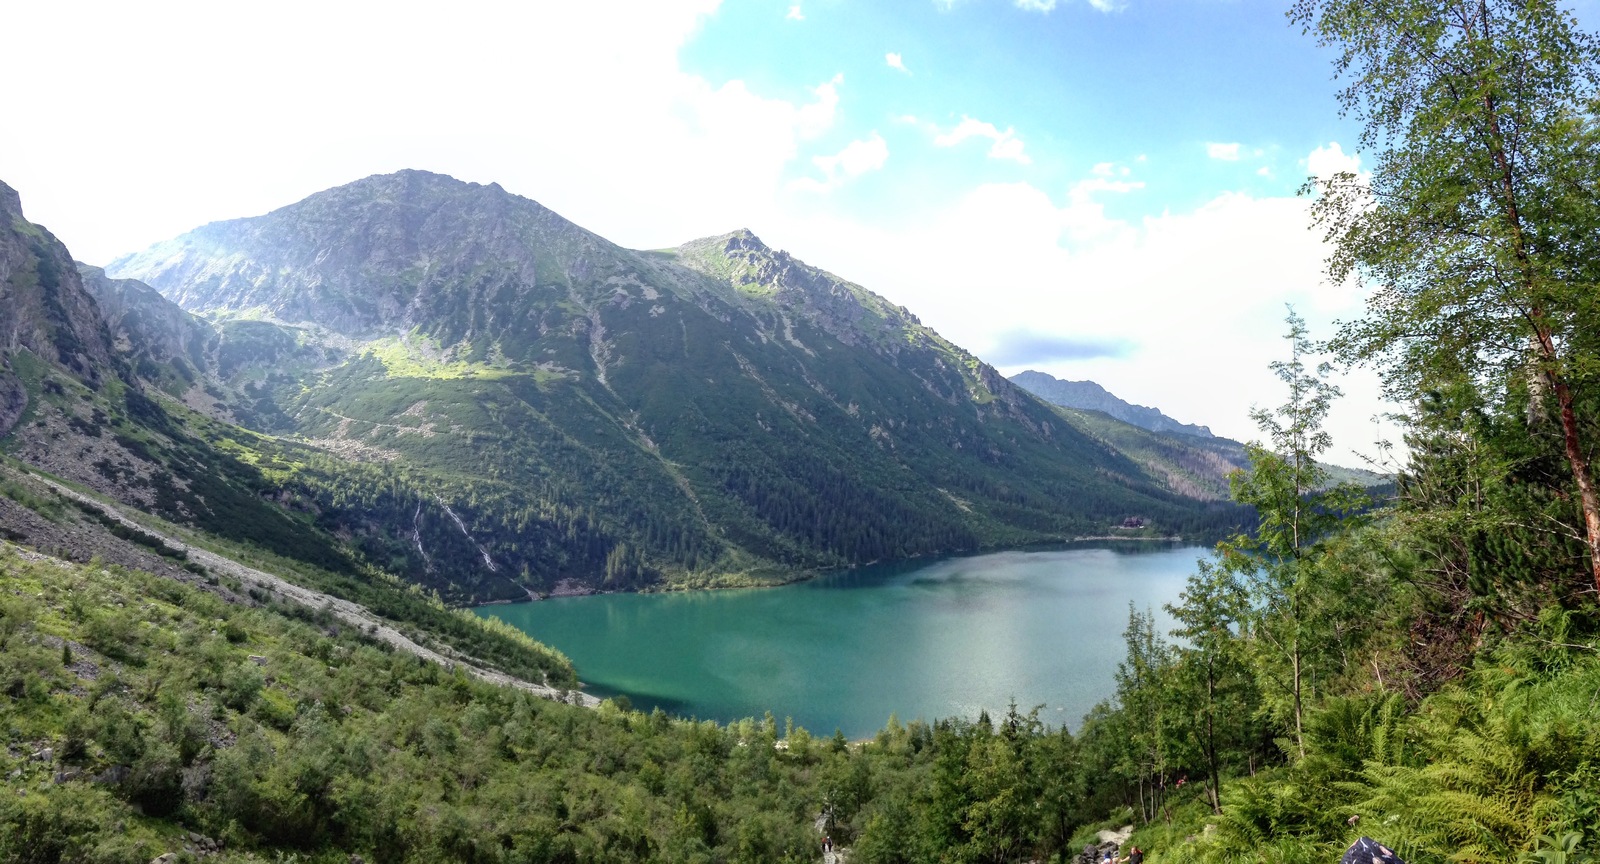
(919, 639)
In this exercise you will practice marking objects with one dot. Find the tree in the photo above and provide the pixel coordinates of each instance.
(1479, 225)
(1142, 693)
(1295, 512)
(1211, 669)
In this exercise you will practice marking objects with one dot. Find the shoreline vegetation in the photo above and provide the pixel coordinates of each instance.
(573, 588)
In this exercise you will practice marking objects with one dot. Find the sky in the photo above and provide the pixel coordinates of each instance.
(1097, 189)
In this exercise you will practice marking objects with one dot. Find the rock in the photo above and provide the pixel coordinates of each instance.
(164, 858)
(50, 315)
(68, 775)
(1118, 837)
(114, 774)
(44, 755)
(258, 660)
(1096, 852)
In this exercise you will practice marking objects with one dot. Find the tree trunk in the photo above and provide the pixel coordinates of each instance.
(1211, 736)
(1579, 461)
(1299, 722)
(1571, 441)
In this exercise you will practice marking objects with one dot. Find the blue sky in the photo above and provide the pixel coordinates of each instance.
(1099, 192)
(1079, 86)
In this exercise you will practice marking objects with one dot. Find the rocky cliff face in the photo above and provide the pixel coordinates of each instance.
(44, 310)
(91, 393)
(156, 335)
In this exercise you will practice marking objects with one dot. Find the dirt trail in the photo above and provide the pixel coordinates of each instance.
(353, 614)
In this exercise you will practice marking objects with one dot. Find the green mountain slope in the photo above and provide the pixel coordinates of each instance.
(1187, 464)
(494, 400)
(98, 376)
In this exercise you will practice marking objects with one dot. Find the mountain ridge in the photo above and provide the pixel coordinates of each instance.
(516, 403)
(1092, 397)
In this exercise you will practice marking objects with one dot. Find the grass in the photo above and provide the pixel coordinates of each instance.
(417, 357)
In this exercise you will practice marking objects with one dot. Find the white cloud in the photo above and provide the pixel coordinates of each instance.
(1003, 145)
(795, 14)
(1200, 293)
(1048, 5)
(627, 149)
(1084, 218)
(1330, 159)
(816, 118)
(857, 158)
(1264, 171)
(1225, 152)
(895, 62)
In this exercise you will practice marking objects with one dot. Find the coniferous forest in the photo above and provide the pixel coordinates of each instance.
(1421, 667)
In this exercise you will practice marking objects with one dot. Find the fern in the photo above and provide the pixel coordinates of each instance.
(1504, 762)
(1558, 851)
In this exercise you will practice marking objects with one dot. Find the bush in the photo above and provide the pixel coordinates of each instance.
(114, 633)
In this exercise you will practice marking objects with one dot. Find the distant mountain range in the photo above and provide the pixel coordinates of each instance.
(454, 384)
(1189, 458)
(1092, 397)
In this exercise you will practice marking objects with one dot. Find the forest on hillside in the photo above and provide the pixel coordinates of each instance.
(1424, 670)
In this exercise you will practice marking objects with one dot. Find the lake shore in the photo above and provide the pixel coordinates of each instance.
(735, 581)
(931, 639)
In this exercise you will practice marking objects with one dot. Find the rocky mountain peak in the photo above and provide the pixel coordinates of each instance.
(10, 201)
(745, 239)
(383, 254)
(844, 310)
(409, 185)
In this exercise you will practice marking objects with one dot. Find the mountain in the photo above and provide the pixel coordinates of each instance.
(480, 395)
(1190, 465)
(1090, 396)
(166, 346)
(111, 451)
(44, 311)
(77, 407)
(1185, 459)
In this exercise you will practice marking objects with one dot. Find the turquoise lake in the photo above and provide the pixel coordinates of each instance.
(921, 639)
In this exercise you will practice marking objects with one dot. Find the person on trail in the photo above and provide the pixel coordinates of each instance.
(1136, 856)
(1369, 851)
(827, 845)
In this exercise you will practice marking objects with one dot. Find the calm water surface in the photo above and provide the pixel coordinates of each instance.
(920, 639)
